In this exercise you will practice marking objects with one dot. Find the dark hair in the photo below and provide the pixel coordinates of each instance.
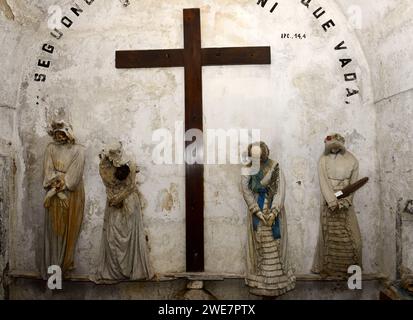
(122, 172)
(265, 152)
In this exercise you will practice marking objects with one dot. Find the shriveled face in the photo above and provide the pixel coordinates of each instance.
(115, 154)
(334, 143)
(60, 137)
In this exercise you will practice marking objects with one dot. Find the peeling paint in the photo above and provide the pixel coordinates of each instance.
(7, 11)
(168, 199)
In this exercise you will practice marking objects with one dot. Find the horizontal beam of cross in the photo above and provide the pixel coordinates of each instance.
(209, 57)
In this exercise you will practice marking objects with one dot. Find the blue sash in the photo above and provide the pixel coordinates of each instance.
(255, 186)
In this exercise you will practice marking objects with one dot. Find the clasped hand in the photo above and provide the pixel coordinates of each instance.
(340, 204)
(269, 218)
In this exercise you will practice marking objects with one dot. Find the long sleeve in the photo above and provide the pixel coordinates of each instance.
(49, 172)
(248, 194)
(74, 173)
(103, 164)
(117, 191)
(132, 175)
(325, 186)
(107, 179)
(354, 178)
(279, 198)
(129, 186)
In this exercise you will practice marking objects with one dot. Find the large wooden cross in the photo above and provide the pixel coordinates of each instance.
(192, 57)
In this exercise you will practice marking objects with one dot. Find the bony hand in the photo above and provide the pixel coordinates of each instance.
(349, 202)
(116, 203)
(261, 216)
(333, 205)
(63, 199)
(271, 218)
(344, 204)
(60, 184)
(112, 202)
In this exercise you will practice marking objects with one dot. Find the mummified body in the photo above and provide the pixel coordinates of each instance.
(339, 243)
(268, 269)
(65, 198)
(124, 252)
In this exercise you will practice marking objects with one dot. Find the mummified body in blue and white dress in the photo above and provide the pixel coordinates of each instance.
(268, 269)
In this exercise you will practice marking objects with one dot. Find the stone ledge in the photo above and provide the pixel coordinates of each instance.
(202, 276)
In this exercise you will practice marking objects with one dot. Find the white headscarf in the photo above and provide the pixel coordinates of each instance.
(114, 153)
(334, 141)
(64, 127)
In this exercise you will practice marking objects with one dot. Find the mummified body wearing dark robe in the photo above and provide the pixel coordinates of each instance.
(124, 252)
(268, 269)
(65, 198)
(339, 243)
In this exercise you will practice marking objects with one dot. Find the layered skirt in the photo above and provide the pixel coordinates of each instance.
(271, 277)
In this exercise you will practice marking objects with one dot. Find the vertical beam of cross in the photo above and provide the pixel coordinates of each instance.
(194, 188)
